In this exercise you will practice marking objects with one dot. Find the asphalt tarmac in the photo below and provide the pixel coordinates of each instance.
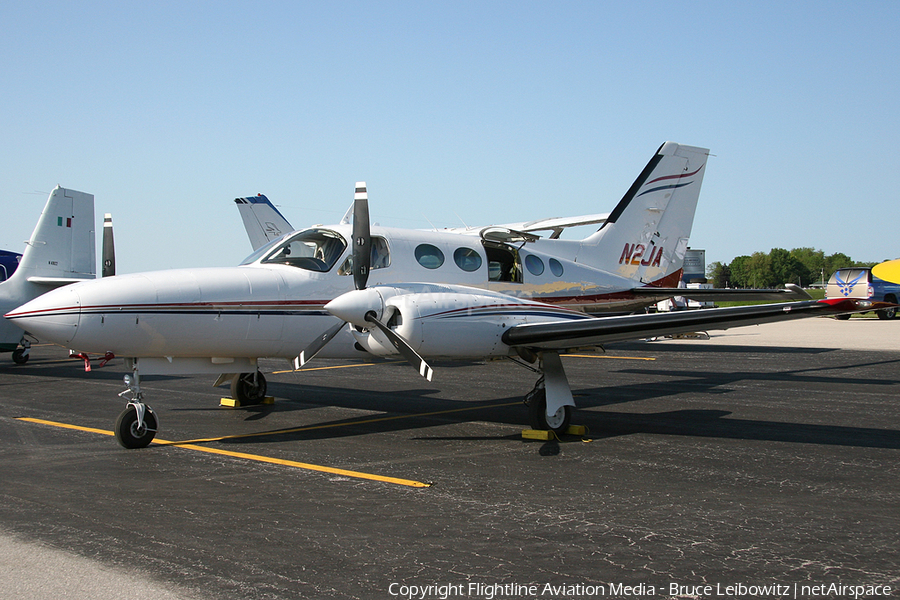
(762, 463)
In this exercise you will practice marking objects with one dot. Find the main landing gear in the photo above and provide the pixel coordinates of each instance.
(248, 388)
(20, 355)
(550, 402)
(536, 401)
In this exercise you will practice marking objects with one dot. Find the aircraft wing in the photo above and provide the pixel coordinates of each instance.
(558, 224)
(555, 224)
(790, 292)
(262, 220)
(588, 332)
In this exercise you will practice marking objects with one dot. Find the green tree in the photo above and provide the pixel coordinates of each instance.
(786, 268)
(719, 274)
(760, 271)
(765, 270)
(740, 272)
(837, 261)
(814, 261)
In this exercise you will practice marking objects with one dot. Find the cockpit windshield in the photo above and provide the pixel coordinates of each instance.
(261, 251)
(313, 250)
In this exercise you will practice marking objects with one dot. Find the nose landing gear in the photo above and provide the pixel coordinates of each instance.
(137, 425)
(136, 430)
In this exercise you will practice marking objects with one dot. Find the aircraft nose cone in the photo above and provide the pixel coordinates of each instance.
(52, 317)
(353, 306)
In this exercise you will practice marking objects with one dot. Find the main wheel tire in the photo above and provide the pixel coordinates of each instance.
(842, 317)
(129, 435)
(537, 414)
(19, 357)
(244, 391)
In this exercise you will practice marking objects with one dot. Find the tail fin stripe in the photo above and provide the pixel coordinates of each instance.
(681, 176)
(674, 186)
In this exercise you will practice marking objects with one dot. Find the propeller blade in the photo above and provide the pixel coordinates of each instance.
(319, 343)
(362, 241)
(403, 347)
(108, 252)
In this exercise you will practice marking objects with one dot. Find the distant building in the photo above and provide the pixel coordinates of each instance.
(694, 266)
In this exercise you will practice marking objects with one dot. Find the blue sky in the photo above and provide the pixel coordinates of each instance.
(481, 111)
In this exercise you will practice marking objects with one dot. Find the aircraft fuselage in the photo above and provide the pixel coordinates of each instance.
(273, 306)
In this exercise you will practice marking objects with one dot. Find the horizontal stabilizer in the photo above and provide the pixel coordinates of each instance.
(57, 281)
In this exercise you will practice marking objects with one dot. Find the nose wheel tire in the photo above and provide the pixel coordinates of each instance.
(129, 434)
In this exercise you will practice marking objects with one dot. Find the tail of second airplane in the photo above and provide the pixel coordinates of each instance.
(262, 220)
(61, 249)
(646, 236)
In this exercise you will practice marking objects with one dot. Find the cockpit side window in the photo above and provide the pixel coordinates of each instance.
(313, 250)
(380, 257)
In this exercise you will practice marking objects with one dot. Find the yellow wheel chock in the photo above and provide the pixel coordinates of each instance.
(232, 403)
(547, 434)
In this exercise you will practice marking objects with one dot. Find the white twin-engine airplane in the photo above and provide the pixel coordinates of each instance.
(351, 291)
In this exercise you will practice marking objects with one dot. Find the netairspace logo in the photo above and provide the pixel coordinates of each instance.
(496, 591)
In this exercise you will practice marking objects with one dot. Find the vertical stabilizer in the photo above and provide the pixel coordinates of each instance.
(62, 245)
(646, 235)
(60, 251)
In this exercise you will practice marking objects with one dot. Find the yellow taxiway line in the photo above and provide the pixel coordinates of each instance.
(193, 444)
(328, 368)
(243, 455)
(607, 356)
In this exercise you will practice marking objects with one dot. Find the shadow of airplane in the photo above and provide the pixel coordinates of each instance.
(403, 409)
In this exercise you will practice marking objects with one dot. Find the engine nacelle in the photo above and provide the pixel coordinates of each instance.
(453, 324)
